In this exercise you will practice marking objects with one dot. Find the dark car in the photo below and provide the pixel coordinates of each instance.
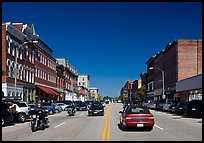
(6, 113)
(81, 106)
(135, 116)
(96, 109)
(194, 108)
(181, 108)
(160, 104)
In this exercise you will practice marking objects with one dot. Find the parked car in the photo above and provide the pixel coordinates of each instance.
(62, 105)
(146, 102)
(57, 107)
(172, 107)
(168, 104)
(139, 117)
(194, 108)
(160, 104)
(32, 106)
(96, 109)
(49, 107)
(22, 109)
(7, 113)
(181, 108)
(152, 104)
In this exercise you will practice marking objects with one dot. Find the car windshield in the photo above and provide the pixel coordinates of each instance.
(137, 110)
(96, 107)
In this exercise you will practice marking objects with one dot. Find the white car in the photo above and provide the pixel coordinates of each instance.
(62, 105)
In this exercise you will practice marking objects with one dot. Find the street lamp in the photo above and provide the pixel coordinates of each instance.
(16, 60)
(162, 79)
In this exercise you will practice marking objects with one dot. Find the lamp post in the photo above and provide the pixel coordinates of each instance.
(162, 79)
(16, 60)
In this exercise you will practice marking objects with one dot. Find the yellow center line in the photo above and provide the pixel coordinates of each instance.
(107, 125)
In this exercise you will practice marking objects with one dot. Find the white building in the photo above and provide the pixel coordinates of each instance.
(83, 80)
(93, 93)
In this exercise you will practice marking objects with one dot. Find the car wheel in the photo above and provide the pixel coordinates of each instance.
(21, 117)
(3, 122)
(57, 111)
(149, 128)
(123, 127)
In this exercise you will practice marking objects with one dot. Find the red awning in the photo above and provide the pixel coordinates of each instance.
(47, 90)
(55, 91)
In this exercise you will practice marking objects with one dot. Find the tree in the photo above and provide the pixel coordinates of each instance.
(142, 93)
(99, 97)
(78, 94)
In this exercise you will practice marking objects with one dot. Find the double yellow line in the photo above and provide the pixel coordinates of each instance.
(106, 135)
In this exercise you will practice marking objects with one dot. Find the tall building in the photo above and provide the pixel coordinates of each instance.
(71, 76)
(83, 80)
(180, 59)
(18, 54)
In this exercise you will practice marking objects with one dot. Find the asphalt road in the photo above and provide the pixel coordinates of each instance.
(168, 127)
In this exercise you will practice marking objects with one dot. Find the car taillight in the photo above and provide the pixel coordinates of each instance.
(151, 118)
(128, 117)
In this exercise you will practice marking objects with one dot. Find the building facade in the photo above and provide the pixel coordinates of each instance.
(93, 91)
(71, 79)
(181, 59)
(18, 54)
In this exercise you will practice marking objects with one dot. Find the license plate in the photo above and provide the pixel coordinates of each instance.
(140, 125)
(180, 108)
(95, 112)
(193, 108)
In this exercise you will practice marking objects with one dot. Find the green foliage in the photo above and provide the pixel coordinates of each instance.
(99, 97)
(142, 93)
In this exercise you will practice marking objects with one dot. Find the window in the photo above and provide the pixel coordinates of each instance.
(8, 42)
(21, 53)
(8, 68)
(9, 93)
(12, 70)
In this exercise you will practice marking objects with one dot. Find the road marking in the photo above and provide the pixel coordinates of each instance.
(59, 125)
(158, 127)
(107, 125)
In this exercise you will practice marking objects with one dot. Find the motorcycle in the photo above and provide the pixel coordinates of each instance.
(39, 120)
(71, 110)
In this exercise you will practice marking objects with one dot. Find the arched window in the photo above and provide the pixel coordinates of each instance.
(13, 93)
(21, 53)
(8, 43)
(30, 75)
(17, 49)
(33, 75)
(13, 70)
(8, 68)
(33, 56)
(27, 74)
(13, 46)
(17, 71)
(9, 94)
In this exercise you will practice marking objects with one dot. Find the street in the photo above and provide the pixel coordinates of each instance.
(168, 127)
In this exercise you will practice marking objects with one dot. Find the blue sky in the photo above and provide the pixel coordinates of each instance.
(110, 41)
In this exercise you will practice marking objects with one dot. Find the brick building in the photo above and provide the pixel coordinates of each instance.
(18, 54)
(181, 59)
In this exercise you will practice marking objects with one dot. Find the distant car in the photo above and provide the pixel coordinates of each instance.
(81, 106)
(32, 106)
(194, 108)
(138, 117)
(6, 113)
(49, 107)
(181, 108)
(168, 104)
(62, 105)
(160, 104)
(152, 105)
(57, 107)
(107, 102)
(96, 109)
(146, 102)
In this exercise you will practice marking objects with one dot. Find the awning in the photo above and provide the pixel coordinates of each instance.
(47, 90)
(55, 91)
